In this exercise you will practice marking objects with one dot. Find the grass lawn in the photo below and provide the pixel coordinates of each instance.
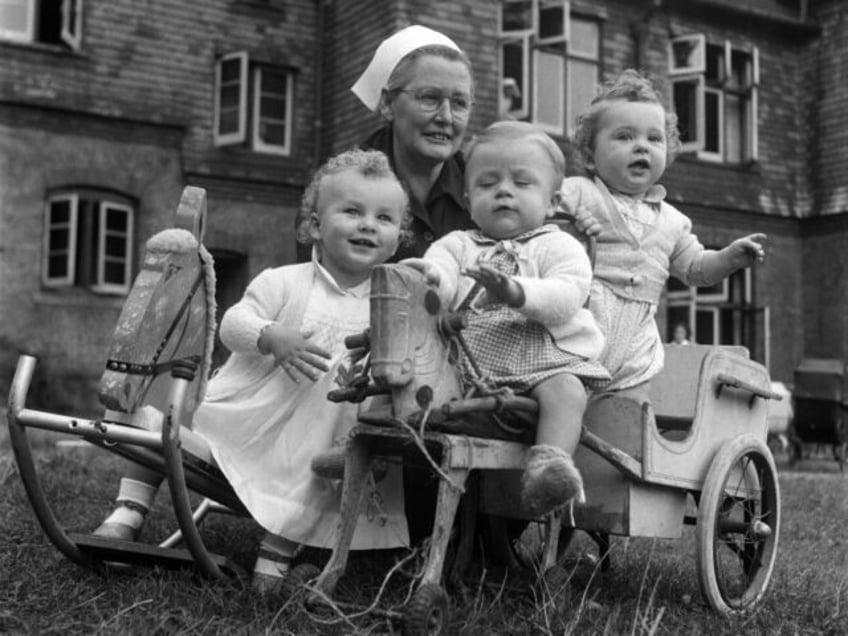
(651, 588)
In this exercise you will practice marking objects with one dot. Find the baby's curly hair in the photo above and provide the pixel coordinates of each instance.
(630, 86)
(372, 164)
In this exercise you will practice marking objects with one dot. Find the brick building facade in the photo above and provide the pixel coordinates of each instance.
(107, 109)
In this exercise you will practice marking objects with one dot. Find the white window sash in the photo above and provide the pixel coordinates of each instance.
(107, 208)
(25, 32)
(556, 126)
(566, 20)
(71, 247)
(709, 155)
(753, 119)
(697, 143)
(524, 85)
(713, 314)
(72, 23)
(516, 32)
(700, 45)
(240, 135)
(258, 143)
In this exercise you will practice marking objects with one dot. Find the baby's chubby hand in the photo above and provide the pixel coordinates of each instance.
(431, 274)
(582, 219)
(745, 251)
(293, 351)
(500, 288)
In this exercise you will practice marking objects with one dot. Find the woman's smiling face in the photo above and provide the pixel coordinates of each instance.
(629, 153)
(433, 136)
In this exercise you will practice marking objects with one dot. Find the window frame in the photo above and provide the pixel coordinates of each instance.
(101, 285)
(552, 114)
(70, 248)
(258, 144)
(695, 74)
(105, 205)
(240, 134)
(250, 118)
(70, 31)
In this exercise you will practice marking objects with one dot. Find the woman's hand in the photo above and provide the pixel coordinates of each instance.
(431, 274)
(500, 288)
(293, 352)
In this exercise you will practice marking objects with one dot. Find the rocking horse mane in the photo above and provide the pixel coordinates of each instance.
(168, 316)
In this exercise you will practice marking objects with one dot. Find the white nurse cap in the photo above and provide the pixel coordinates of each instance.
(391, 51)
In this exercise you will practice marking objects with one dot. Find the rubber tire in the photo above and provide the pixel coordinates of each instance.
(427, 612)
(756, 561)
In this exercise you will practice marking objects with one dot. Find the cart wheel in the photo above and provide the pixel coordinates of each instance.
(517, 544)
(738, 526)
(427, 612)
(299, 576)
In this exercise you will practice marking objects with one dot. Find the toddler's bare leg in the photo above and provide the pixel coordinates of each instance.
(550, 478)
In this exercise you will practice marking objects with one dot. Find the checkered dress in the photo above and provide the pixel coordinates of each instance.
(514, 351)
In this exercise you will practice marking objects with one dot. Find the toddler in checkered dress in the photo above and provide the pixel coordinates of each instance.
(523, 284)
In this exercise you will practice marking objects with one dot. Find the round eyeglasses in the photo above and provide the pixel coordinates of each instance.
(430, 100)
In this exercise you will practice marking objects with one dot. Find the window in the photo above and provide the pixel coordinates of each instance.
(714, 88)
(253, 105)
(720, 314)
(88, 241)
(549, 62)
(46, 21)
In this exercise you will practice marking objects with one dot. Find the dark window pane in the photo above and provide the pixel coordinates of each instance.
(513, 66)
(272, 107)
(712, 139)
(60, 212)
(273, 134)
(230, 71)
(116, 246)
(57, 265)
(116, 221)
(59, 239)
(715, 63)
(517, 16)
(684, 106)
(228, 122)
(274, 82)
(550, 22)
(114, 272)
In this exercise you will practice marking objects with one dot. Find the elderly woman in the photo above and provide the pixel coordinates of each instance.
(420, 82)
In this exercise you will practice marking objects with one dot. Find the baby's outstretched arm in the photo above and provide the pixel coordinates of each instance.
(741, 253)
(293, 351)
(500, 288)
(431, 274)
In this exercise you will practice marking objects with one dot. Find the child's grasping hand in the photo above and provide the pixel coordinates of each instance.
(743, 252)
(500, 288)
(293, 352)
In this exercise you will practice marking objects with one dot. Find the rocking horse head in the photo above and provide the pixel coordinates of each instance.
(408, 353)
(167, 318)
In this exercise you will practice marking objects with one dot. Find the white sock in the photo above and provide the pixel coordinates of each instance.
(136, 491)
(126, 516)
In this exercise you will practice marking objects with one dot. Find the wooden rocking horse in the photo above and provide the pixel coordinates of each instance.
(155, 376)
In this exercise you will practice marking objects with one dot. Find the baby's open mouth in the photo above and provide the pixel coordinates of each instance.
(641, 164)
(363, 242)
